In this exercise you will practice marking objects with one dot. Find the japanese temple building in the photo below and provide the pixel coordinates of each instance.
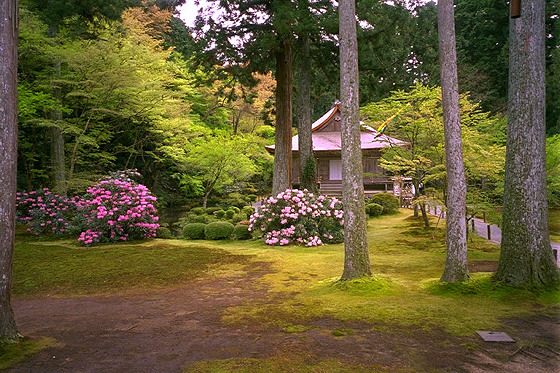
(326, 137)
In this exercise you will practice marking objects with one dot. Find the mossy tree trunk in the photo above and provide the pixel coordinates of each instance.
(356, 254)
(526, 256)
(308, 168)
(282, 177)
(8, 159)
(456, 266)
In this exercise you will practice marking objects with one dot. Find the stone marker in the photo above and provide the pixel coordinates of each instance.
(495, 336)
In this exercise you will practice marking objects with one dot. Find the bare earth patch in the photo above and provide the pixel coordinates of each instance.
(167, 330)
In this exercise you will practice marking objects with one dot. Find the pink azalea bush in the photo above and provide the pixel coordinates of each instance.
(298, 216)
(116, 210)
(45, 212)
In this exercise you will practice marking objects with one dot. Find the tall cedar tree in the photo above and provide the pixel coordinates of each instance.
(246, 36)
(456, 268)
(308, 167)
(526, 256)
(8, 156)
(356, 254)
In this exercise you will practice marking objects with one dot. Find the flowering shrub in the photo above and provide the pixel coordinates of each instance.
(45, 212)
(116, 210)
(301, 217)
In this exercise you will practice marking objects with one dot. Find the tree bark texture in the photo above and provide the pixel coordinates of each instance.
(8, 158)
(526, 256)
(308, 168)
(282, 178)
(356, 254)
(58, 164)
(456, 266)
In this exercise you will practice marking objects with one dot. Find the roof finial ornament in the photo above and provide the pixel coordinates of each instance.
(336, 103)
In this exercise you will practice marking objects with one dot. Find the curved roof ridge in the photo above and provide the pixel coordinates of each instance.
(325, 118)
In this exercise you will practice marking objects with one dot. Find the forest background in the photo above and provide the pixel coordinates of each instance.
(116, 85)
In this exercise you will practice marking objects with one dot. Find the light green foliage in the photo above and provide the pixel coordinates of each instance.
(553, 170)
(421, 126)
(221, 160)
(218, 230)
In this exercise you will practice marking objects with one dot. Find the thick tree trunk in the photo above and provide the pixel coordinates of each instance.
(526, 256)
(308, 168)
(456, 266)
(58, 164)
(356, 254)
(282, 178)
(8, 158)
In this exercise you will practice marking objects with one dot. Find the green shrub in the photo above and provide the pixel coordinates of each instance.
(212, 210)
(251, 198)
(230, 213)
(218, 230)
(197, 210)
(238, 217)
(241, 232)
(236, 209)
(164, 231)
(220, 214)
(192, 218)
(194, 231)
(374, 209)
(389, 202)
(248, 210)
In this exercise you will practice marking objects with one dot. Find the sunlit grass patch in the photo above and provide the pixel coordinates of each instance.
(64, 268)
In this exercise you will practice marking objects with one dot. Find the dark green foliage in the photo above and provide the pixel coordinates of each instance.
(194, 231)
(309, 176)
(198, 210)
(220, 214)
(164, 231)
(229, 213)
(218, 230)
(389, 202)
(374, 209)
(241, 232)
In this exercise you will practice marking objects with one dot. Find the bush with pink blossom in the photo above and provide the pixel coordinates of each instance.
(116, 209)
(301, 217)
(45, 212)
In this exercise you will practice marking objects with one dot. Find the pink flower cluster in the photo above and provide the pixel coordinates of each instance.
(118, 210)
(298, 216)
(44, 211)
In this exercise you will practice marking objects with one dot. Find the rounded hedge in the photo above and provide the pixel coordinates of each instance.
(218, 230)
(220, 214)
(241, 232)
(212, 210)
(194, 231)
(374, 209)
(248, 210)
(198, 210)
(389, 202)
(230, 213)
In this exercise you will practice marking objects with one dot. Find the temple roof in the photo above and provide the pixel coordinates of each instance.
(326, 135)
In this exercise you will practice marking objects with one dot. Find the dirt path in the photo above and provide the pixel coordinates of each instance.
(167, 330)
